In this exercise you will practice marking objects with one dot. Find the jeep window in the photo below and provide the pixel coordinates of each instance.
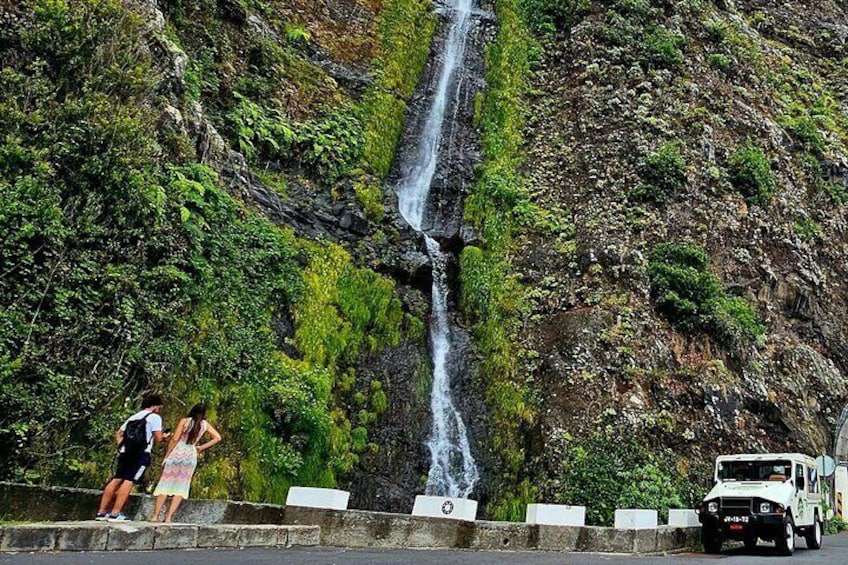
(813, 480)
(754, 470)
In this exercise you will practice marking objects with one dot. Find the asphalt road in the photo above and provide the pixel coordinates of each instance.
(833, 552)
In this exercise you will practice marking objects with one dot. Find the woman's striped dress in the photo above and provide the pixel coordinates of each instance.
(179, 466)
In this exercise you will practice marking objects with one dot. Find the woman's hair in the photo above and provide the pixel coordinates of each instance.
(197, 414)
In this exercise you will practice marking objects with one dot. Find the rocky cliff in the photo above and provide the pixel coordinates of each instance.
(647, 201)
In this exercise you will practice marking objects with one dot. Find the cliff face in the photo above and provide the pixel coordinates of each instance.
(652, 253)
(191, 194)
(638, 113)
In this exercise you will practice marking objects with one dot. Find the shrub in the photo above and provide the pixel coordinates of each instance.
(260, 131)
(546, 17)
(719, 61)
(751, 174)
(806, 229)
(605, 473)
(663, 173)
(734, 321)
(331, 145)
(806, 128)
(661, 49)
(716, 30)
(692, 299)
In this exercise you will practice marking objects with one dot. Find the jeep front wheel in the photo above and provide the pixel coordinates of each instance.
(785, 543)
(814, 534)
(710, 540)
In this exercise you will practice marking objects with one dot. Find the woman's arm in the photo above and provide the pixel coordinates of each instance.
(175, 437)
(216, 437)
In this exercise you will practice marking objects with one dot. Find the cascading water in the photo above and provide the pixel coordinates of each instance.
(453, 471)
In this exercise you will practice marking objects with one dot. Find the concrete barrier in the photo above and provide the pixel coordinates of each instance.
(99, 536)
(357, 528)
(310, 497)
(445, 507)
(683, 518)
(345, 528)
(555, 515)
(635, 519)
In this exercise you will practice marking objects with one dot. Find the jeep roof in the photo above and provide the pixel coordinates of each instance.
(766, 457)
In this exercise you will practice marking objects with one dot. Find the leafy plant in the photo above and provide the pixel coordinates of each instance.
(605, 473)
(663, 173)
(546, 17)
(692, 299)
(297, 35)
(719, 61)
(661, 49)
(750, 173)
(260, 131)
(331, 145)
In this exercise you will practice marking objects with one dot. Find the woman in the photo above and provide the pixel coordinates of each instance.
(181, 459)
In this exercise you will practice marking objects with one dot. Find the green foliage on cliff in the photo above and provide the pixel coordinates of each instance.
(605, 473)
(126, 267)
(692, 298)
(490, 294)
(663, 173)
(750, 173)
(406, 30)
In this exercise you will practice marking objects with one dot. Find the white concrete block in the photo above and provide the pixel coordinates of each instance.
(635, 519)
(311, 497)
(445, 507)
(556, 515)
(683, 518)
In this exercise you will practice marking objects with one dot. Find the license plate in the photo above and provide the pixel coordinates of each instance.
(736, 519)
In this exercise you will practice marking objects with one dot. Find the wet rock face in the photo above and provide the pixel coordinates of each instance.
(460, 149)
(390, 478)
(606, 358)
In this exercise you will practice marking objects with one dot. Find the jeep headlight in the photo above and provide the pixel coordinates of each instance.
(712, 507)
(765, 507)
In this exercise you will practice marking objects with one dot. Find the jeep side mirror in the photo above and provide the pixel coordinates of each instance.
(799, 483)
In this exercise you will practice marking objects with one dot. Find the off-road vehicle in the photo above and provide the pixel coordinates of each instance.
(772, 497)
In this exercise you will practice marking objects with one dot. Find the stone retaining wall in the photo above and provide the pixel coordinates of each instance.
(26, 503)
(104, 536)
(343, 528)
(355, 528)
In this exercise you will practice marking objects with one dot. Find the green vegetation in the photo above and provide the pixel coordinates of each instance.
(406, 29)
(750, 174)
(490, 295)
(546, 17)
(719, 61)
(661, 49)
(663, 174)
(125, 267)
(691, 297)
(605, 473)
(807, 229)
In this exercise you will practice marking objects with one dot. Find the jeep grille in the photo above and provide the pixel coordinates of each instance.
(736, 505)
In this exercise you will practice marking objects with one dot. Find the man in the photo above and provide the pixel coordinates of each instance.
(135, 441)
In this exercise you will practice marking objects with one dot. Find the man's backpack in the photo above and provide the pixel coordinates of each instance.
(135, 435)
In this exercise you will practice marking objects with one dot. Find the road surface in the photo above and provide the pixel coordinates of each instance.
(833, 552)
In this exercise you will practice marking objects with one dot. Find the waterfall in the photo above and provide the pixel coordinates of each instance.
(453, 471)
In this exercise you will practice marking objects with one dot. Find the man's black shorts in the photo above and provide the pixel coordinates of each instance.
(131, 466)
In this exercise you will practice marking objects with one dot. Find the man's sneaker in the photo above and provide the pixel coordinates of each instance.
(119, 517)
(102, 516)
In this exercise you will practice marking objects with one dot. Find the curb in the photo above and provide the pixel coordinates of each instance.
(140, 536)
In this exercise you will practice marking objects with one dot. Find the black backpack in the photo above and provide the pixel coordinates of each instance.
(135, 435)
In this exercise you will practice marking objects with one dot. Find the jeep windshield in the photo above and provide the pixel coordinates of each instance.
(754, 470)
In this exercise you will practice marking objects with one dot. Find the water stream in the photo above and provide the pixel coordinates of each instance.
(453, 471)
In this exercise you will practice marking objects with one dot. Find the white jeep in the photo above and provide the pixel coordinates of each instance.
(773, 497)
